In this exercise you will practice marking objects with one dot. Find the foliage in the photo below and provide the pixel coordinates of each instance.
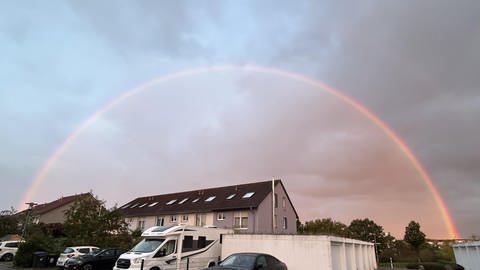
(37, 238)
(88, 222)
(9, 223)
(414, 236)
(325, 226)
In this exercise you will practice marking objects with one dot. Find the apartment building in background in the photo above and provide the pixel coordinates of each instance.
(259, 208)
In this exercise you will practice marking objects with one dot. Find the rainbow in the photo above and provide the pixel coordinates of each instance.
(446, 216)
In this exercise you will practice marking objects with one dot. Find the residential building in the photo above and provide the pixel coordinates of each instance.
(246, 208)
(52, 212)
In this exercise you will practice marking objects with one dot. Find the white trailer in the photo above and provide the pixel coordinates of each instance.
(301, 252)
(174, 247)
(468, 255)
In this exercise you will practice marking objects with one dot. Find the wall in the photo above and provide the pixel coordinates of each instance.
(264, 214)
(468, 255)
(301, 252)
(55, 216)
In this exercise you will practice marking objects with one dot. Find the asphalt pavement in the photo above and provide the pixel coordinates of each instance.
(9, 266)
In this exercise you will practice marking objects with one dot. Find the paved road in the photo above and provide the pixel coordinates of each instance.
(9, 266)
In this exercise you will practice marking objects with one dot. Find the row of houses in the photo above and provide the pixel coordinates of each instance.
(258, 208)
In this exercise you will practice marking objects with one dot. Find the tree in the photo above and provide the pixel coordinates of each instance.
(8, 222)
(414, 236)
(88, 222)
(325, 226)
(367, 230)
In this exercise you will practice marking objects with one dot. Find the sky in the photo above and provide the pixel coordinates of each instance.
(413, 64)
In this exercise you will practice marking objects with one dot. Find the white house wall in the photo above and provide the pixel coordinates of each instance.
(301, 252)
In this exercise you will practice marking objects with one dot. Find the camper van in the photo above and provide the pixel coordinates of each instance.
(169, 247)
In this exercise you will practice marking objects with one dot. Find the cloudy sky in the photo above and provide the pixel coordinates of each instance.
(414, 64)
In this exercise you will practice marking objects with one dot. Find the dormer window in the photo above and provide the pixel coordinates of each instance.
(211, 198)
(248, 195)
(231, 196)
(171, 202)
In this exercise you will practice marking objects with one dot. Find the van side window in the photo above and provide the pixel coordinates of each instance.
(202, 242)
(187, 243)
(166, 249)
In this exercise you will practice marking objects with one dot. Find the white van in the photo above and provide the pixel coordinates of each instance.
(172, 247)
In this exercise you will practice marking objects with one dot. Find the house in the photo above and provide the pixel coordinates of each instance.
(52, 212)
(246, 208)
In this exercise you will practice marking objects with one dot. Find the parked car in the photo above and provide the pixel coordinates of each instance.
(69, 252)
(96, 260)
(435, 266)
(8, 249)
(251, 261)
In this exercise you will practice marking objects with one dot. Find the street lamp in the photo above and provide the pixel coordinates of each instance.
(29, 210)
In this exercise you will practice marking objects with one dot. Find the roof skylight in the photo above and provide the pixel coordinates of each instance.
(211, 198)
(182, 201)
(125, 206)
(171, 202)
(133, 205)
(142, 205)
(196, 200)
(248, 195)
(231, 196)
(153, 204)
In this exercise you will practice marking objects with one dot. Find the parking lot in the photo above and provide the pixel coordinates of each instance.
(9, 266)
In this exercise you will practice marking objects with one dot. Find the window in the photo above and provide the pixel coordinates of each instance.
(153, 204)
(142, 205)
(211, 198)
(182, 201)
(200, 220)
(275, 221)
(12, 244)
(285, 223)
(248, 195)
(166, 249)
(276, 200)
(196, 200)
(160, 221)
(221, 216)
(141, 224)
(240, 220)
(261, 262)
(231, 196)
(171, 202)
(133, 205)
(173, 218)
(284, 202)
(184, 217)
(84, 250)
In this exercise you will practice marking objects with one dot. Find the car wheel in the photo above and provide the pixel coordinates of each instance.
(87, 266)
(7, 257)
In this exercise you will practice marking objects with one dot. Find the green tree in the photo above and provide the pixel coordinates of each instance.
(325, 226)
(414, 236)
(88, 222)
(367, 230)
(8, 222)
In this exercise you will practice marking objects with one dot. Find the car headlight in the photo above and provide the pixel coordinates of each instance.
(138, 260)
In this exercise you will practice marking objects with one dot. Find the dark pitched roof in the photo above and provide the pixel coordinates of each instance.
(186, 202)
(41, 209)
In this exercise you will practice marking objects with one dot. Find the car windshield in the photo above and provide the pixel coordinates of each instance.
(95, 251)
(241, 260)
(147, 245)
(68, 250)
